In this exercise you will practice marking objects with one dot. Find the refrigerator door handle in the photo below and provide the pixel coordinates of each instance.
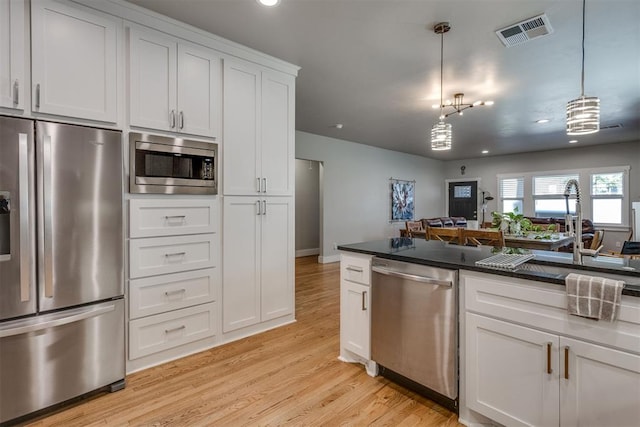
(75, 317)
(48, 223)
(25, 238)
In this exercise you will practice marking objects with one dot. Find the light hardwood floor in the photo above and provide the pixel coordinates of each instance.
(287, 376)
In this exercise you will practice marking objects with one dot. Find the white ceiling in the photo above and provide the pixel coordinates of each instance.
(374, 65)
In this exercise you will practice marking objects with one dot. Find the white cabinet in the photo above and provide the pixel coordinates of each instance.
(355, 314)
(258, 131)
(12, 54)
(527, 362)
(150, 217)
(174, 85)
(74, 59)
(258, 281)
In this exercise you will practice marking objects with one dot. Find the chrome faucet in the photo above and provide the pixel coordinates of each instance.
(574, 231)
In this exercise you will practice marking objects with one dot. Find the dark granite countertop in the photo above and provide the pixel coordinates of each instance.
(440, 254)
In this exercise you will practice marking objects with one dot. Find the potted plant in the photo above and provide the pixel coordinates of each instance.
(511, 222)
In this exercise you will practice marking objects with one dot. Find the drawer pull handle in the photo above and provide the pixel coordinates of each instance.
(175, 216)
(549, 369)
(355, 269)
(168, 331)
(175, 254)
(566, 363)
(178, 291)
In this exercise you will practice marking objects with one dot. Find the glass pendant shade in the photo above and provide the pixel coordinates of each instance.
(583, 115)
(441, 136)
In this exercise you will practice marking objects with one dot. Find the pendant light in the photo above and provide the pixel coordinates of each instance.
(441, 131)
(583, 114)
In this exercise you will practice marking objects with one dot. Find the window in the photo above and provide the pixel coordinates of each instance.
(607, 195)
(548, 195)
(512, 194)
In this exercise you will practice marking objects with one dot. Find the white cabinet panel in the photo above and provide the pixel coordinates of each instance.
(74, 59)
(241, 263)
(508, 378)
(277, 258)
(161, 255)
(164, 331)
(159, 294)
(152, 78)
(355, 269)
(258, 272)
(278, 133)
(162, 217)
(174, 85)
(241, 120)
(355, 318)
(602, 387)
(12, 54)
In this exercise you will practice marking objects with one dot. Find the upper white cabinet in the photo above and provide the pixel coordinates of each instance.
(258, 131)
(74, 61)
(12, 54)
(174, 85)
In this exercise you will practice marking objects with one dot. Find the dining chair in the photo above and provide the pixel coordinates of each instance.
(445, 234)
(415, 229)
(598, 237)
(483, 237)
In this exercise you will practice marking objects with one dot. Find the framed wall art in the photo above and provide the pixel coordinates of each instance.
(402, 200)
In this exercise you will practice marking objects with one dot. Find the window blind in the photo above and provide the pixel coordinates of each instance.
(512, 188)
(551, 185)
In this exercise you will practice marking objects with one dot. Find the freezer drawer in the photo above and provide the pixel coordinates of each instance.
(52, 358)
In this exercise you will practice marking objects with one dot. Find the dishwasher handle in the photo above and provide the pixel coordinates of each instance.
(413, 277)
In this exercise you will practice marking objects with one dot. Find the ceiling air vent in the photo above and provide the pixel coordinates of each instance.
(524, 31)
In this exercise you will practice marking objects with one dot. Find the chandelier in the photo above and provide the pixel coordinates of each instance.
(459, 105)
(583, 114)
(441, 131)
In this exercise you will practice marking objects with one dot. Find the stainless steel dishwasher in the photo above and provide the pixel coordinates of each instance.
(414, 327)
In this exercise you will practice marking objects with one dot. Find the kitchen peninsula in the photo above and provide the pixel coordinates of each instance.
(522, 357)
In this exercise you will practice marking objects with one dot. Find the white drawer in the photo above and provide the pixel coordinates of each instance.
(162, 255)
(159, 294)
(161, 217)
(164, 331)
(356, 268)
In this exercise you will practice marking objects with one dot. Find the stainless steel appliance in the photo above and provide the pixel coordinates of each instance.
(61, 264)
(414, 327)
(160, 164)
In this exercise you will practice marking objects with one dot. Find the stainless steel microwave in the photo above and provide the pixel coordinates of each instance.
(160, 164)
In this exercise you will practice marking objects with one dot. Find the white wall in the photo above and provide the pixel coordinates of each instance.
(487, 168)
(356, 189)
(307, 207)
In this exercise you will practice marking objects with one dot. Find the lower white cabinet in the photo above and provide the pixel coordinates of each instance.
(355, 315)
(258, 270)
(167, 330)
(529, 363)
(160, 217)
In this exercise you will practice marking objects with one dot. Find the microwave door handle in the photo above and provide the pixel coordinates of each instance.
(48, 235)
(25, 233)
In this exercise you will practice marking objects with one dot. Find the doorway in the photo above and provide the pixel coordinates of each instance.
(308, 239)
(463, 199)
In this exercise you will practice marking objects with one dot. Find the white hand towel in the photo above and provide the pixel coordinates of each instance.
(593, 297)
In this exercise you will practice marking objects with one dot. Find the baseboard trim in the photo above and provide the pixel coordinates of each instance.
(307, 252)
(328, 259)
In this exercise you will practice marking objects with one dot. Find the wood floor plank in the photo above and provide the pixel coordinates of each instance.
(285, 376)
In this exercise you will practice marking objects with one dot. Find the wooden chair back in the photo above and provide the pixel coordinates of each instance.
(446, 234)
(598, 237)
(415, 229)
(483, 237)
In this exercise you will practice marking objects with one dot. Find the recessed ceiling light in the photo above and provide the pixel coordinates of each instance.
(268, 2)
(485, 151)
(338, 125)
(573, 141)
(542, 121)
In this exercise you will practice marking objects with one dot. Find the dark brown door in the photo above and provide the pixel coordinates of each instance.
(463, 199)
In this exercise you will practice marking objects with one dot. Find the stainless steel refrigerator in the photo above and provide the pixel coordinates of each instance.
(61, 264)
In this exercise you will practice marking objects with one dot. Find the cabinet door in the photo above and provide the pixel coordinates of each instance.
(507, 368)
(152, 79)
(12, 79)
(240, 272)
(74, 60)
(241, 127)
(278, 148)
(277, 271)
(355, 318)
(199, 91)
(602, 388)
